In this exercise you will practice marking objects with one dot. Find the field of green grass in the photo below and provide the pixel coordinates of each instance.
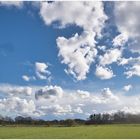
(100, 131)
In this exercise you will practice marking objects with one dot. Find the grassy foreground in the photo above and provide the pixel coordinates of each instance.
(100, 131)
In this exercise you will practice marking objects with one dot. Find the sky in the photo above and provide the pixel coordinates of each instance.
(63, 60)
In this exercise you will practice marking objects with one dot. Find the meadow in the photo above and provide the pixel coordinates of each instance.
(120, 131)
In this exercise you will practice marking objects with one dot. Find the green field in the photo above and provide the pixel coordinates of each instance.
(100, 131)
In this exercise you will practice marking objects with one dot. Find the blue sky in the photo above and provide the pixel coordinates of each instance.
(58, 56)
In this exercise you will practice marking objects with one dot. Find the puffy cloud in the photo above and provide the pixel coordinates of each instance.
(127, 87)
(17, 106)
(14, 90)
(124, 61)
(17, 4)
(133, 66)
(57, 109)
(78, 110)
(67, 103)
(92, 18)
(41, 67)
(61, 110)
(131, 110)
(26, 78)
(111, 55)
(127, 21)
(41, 70)
(48, 92)
(133, 60)
(102, 48)
(134, 70)
(78, 51)
(104, 73)
(107, 94)
(76, 102)
(83, 94)
(59, 101)
(120, 40)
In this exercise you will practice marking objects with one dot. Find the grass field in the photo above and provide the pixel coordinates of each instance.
(100, 131)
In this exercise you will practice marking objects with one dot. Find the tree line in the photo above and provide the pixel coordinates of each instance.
(118, 117)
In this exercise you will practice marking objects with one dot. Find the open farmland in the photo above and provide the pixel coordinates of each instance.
(100, 131)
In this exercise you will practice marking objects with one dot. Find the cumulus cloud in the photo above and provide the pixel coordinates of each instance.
(120, 40)
(131, 110)
(17, 4)
(52, 100)
(134, 70)
(14, 90)
(111, 56)
(17, 106)
(65, 103)
(104, 73)
(107, 94)
(124, 61)
(41, 70)
(26, 78)
(78, 51)
(48, 92)
(83, 102)
(92, 18)
(57, 109)
(61, 110)
(133, 66)
(127, 21)
(102, 48)
(83, 94)
(78, 110)
(127, 87)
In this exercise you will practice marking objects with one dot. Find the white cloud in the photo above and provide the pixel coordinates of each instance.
(107, 94)
(57, 109)
(17, 4)
(78, 51)
(111, 55)
(102, 48)
(91, 18)
(14, 90)
(87, 99)
(120, 40)
(134, 60)
(61, 110)
(124, 61)
(17, 106)
(41, 70)
(127, 87)
(104, 73)
(83, 94)
(134, 70)
(48, 92)
(127, 21)
(66, 103)
(78, 110)
(131, 110)
(132, 66)
(26, 78)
